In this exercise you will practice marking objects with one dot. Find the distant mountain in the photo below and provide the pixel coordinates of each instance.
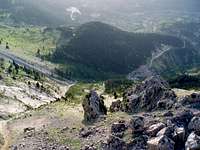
(29, 12)
(104, 48)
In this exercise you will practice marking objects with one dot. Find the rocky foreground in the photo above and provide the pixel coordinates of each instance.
(176, 128)
(149, 117)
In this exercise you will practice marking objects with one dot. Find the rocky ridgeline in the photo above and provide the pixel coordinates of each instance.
(153, 93)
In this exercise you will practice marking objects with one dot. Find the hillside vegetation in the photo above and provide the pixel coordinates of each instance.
(97, 49)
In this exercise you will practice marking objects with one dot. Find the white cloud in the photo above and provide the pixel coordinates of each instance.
(73, 11)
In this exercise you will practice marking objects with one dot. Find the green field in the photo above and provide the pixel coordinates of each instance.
(25, 41)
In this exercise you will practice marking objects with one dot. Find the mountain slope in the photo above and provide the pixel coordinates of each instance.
(104, 48)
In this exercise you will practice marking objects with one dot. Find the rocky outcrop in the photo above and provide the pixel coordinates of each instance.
(93, 107)
(152, 94)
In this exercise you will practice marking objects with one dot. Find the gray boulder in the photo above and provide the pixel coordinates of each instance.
(154, 129)
(160, 143)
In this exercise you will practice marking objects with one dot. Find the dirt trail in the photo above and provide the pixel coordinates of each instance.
(8, 127)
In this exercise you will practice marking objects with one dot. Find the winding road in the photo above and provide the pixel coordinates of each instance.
(159, 53)
(33, 66)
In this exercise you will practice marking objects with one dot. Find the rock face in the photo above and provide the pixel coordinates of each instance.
(93, 107)
(193, 142)
(152, 94)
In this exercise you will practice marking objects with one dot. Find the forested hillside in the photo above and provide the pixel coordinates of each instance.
(103, 48)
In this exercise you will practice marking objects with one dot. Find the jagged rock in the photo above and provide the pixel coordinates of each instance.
(193, 142)
(160, 143)
(116, 106)
(93, 107)
(137, 124)
(152, 94)
(118, 128)
(194, 124)
(154, 129)
(167, 131)
(114, 143)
